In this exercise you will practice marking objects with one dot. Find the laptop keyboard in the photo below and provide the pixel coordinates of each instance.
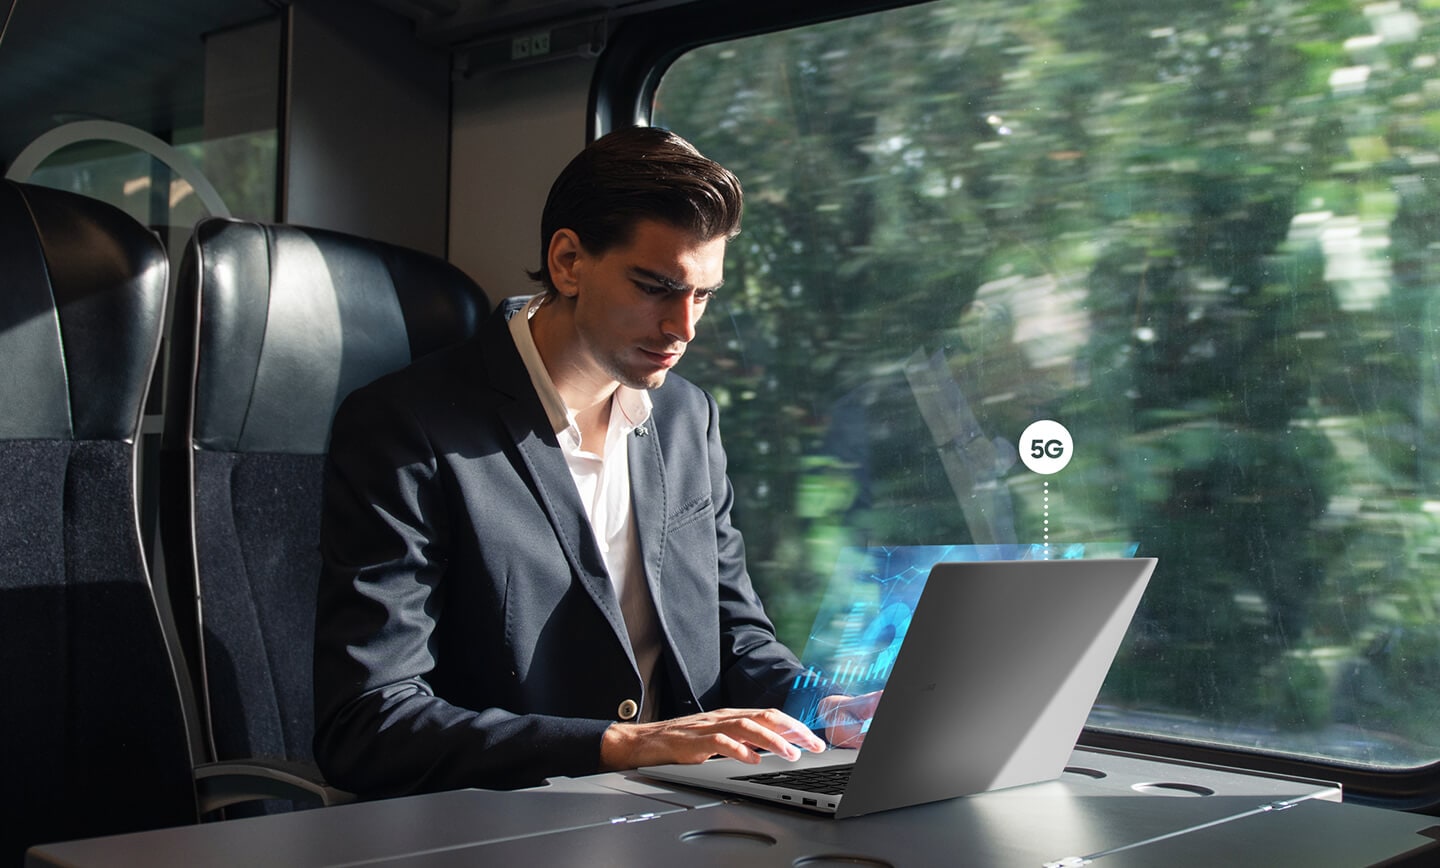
(829, 780)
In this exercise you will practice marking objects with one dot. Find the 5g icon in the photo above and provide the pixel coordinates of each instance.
(1046, 447)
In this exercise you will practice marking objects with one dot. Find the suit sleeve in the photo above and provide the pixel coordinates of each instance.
(380, 728)
(756, 668)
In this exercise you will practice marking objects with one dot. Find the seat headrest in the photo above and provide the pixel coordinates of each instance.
(81, 314)
(291, 320)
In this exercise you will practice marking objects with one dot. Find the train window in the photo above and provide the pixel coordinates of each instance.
(1201, 237)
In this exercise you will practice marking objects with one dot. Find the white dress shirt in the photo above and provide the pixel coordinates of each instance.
(604, 485)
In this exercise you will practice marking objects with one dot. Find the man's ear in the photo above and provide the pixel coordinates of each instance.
(563, 259)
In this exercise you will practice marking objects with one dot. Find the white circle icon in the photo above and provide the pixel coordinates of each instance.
(1046, 447)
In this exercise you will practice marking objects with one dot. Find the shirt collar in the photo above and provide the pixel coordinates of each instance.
(634, 404)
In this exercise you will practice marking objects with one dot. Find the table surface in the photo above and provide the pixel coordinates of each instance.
(1109, 809)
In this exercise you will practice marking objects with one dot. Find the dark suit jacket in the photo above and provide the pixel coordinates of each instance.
(467, 631)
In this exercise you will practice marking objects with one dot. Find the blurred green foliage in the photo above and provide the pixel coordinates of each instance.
(1202, 235)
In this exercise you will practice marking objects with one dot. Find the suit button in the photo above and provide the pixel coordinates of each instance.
(628, 709)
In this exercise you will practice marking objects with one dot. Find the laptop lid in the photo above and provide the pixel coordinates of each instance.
(989, 678)
(867, 605)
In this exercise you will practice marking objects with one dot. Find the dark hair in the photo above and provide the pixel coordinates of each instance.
(634, 174)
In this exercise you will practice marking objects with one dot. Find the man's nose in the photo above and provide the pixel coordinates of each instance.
(680, 317)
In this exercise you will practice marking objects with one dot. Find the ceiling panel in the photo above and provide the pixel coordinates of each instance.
(458, 21)
(139, 61)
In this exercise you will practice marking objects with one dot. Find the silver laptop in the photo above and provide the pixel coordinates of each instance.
(999, 666)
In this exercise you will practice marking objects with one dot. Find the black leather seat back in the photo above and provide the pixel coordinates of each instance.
(274, 326)
(92, 739)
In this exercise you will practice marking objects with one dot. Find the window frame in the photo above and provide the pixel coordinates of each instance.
(622, 93)
(646, 44)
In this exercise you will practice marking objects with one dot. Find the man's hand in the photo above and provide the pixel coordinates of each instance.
(845, 717)
(732, 732)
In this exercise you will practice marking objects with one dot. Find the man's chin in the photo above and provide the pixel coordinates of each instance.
(643, 380)
(650, 381)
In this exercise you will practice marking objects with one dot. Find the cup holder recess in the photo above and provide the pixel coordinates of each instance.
(1172, 789)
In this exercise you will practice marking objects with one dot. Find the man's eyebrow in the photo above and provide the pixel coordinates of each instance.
(670, 283)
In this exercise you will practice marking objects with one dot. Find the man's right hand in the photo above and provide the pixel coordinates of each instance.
(846, 718)
(731, 732)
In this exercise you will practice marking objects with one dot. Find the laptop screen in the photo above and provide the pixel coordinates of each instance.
(866, 611)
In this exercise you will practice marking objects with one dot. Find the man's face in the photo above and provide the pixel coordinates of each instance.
(637, 305)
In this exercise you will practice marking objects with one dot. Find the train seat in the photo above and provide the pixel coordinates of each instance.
(274, 326)
(93, 740)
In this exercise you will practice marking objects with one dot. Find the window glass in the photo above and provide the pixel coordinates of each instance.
(1202, 237)
(114, 173)
(241, 168)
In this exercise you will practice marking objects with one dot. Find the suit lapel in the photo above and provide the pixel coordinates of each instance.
(525, 419)
(649, 498)
(648, 502)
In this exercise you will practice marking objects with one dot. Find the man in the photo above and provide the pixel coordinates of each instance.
(529, 565)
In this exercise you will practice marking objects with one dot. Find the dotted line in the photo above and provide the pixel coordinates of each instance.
(1047, 520)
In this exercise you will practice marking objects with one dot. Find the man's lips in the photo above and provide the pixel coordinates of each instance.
(665, 359)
